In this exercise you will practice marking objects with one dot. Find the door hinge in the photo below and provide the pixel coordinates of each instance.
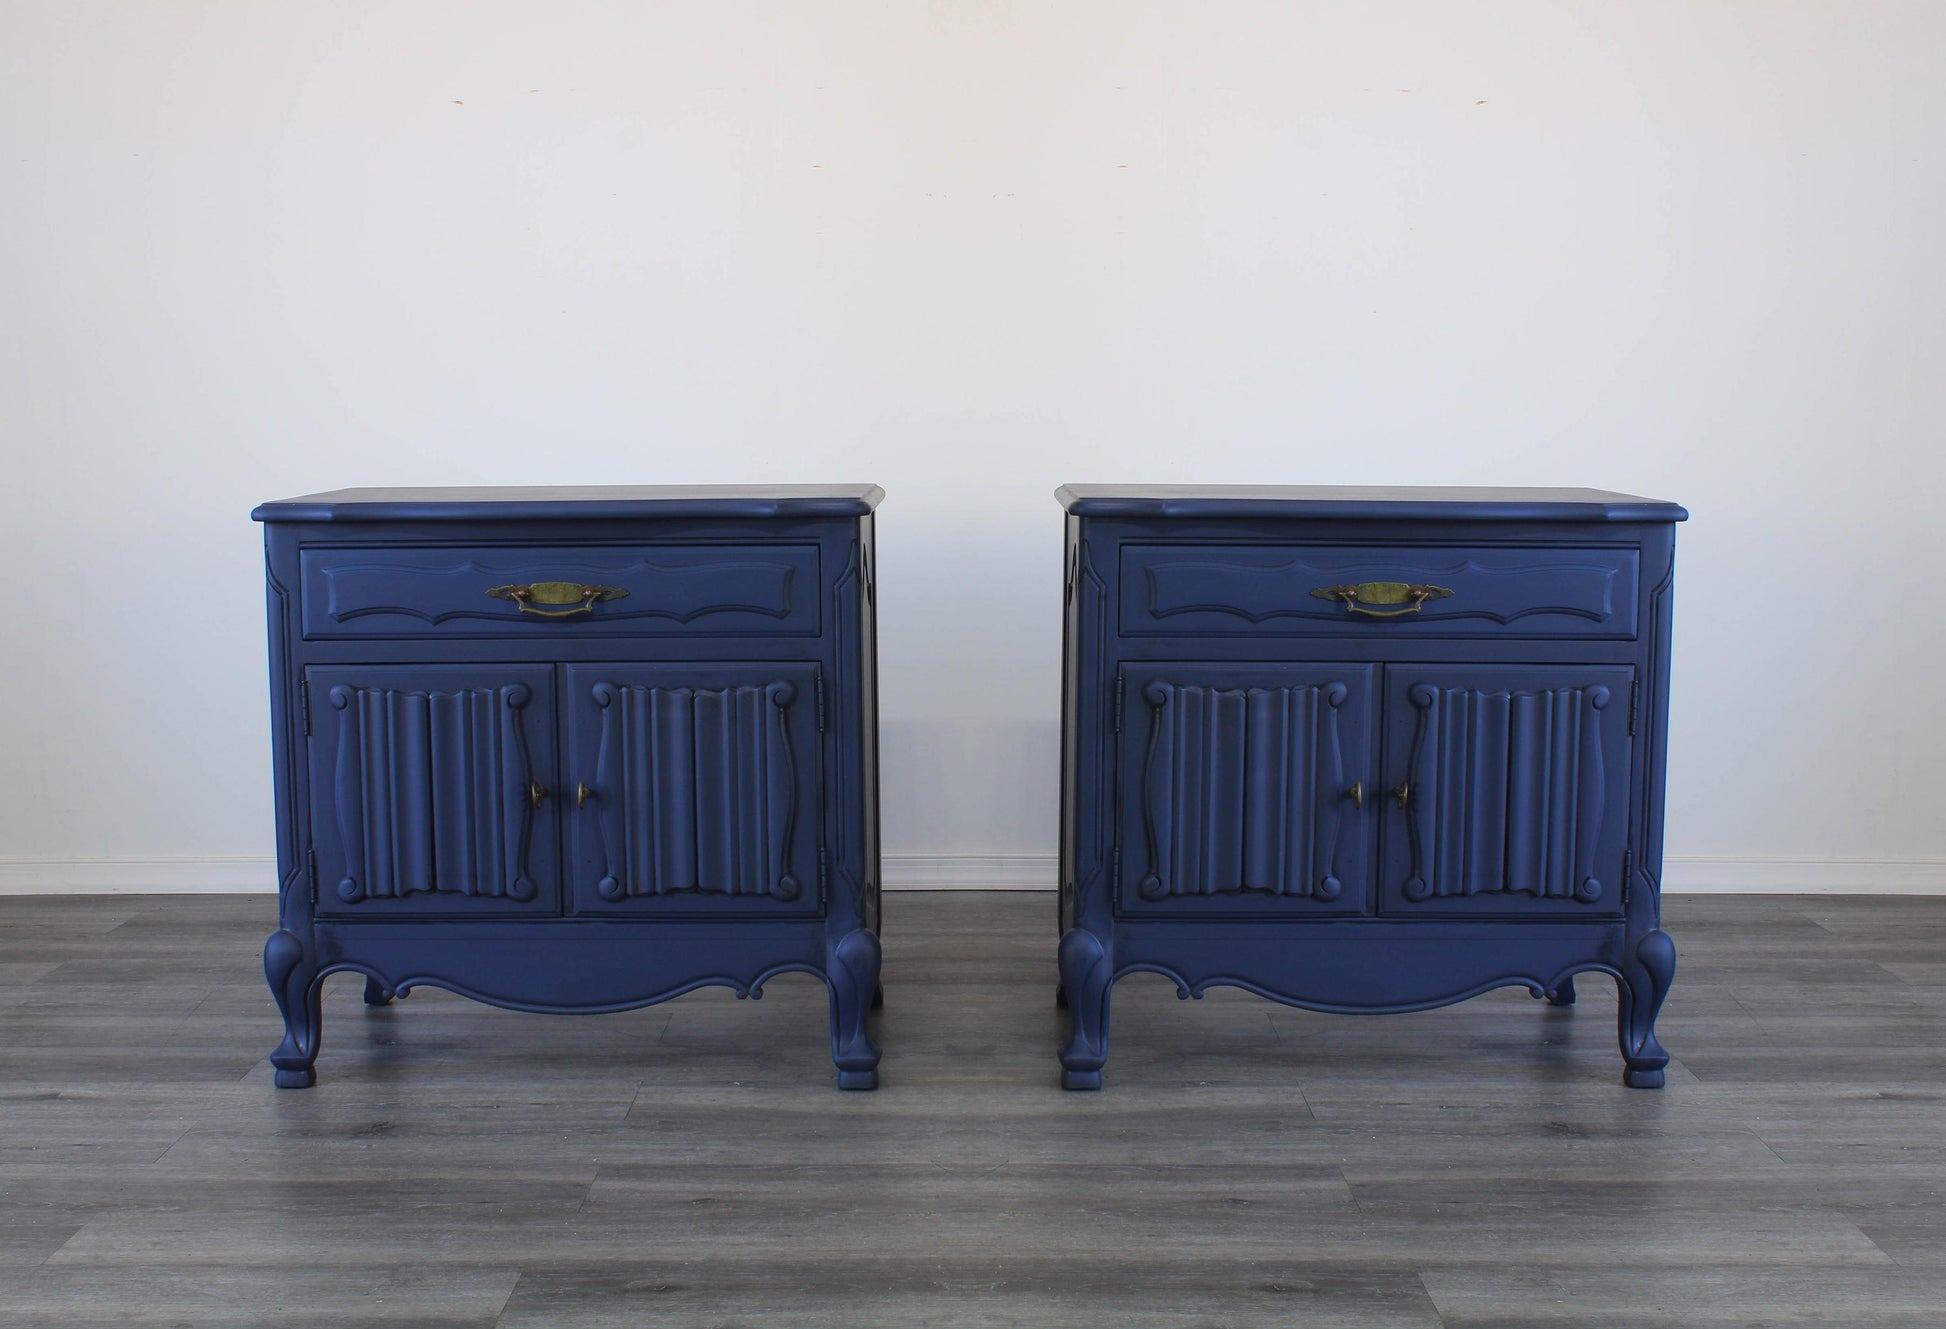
(1120, 687)
(1634, 705)
(820, 696)
(1115, 867)
(1628, 869)
(304, 704)
(824, 869)
(311, 872)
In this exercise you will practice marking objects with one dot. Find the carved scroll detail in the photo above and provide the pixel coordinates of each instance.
(704, 785)
(431, 794)
(1260, 594)
(1243, 790)
(1508, 793)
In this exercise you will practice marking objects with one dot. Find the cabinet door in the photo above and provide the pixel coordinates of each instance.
(1508, 789)
(697, 788)
(430, 790)
(1243, 788)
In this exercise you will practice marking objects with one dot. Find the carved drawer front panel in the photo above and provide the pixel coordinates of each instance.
(432, 790)
(1245, 788)
(1281, 590)
(697, 787)
(561, 590)
(1509, 789)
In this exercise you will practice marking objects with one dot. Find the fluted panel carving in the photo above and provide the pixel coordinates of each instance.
(431, 792)
(1507, 792)
(699, 790)
(1243, 790)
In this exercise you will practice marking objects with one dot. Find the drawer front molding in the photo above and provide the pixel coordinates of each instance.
(700, 590)
(1274, 590)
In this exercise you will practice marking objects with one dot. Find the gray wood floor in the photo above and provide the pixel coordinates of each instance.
(692, 1165)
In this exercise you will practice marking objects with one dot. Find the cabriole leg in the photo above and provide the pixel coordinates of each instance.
(1646, 978)
(293, 977)
(852, 971)
(1085, 974)
(1563, 994)
(376, 993)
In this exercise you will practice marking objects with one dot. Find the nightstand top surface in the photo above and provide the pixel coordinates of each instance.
(545, 502)
(1377, 502)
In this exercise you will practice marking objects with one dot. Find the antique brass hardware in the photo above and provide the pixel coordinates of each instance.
(1357, 794)
(1402, 793)
(582, 794)
(1365, 593)
(536, 793)
(583, 597)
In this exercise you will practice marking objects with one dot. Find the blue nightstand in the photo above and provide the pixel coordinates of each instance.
(1364, 750)
(574, 749)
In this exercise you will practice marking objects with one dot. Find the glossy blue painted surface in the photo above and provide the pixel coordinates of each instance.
(1268, 789)
(668, 789)
(1364, 503)
(575, 503)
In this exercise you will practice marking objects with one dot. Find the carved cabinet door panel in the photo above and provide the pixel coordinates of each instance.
(432, 789)
(1245, 788)
(1507, 789)
(695, 788)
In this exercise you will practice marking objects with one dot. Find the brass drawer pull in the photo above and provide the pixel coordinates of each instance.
(1365, 593)
(582, 597)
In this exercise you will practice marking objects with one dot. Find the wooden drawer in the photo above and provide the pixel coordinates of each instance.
(1284, 590)
(517, 590)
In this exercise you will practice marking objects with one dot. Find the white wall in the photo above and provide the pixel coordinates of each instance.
(967, 251)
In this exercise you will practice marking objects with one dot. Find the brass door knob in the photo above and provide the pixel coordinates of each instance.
(536, 793)
(1402, 793)
(582, 794)
(1357, 794)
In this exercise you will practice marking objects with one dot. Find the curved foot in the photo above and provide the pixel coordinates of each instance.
(1060, 997)
(851, 969)
(293, 978)
(1647, 975)
(1085, 979)
(1563, 994)
(878, 997)
(376, 993)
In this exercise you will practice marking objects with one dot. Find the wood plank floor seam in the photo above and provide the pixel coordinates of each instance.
(692, 1165)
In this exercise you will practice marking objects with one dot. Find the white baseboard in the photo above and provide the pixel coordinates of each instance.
(137, 876)
(1682, 874)
(1699, 874)
(971, 872)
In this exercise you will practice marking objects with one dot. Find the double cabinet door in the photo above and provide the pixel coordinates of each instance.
(586, 789)
(1358, 789)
